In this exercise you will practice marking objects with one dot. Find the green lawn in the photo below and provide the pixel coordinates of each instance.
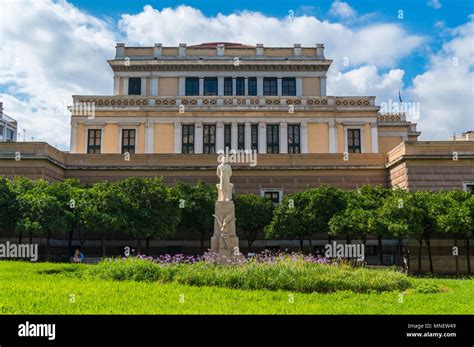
(36, 288)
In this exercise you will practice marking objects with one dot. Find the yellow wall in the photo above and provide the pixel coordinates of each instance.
(340, 138)
(387, 143)
(121, 86)
(168, 86)
(141, 138)
(164, 138)
(318, 138)
(367, 139)
(311, 86)
(111, 139)
(80, 139)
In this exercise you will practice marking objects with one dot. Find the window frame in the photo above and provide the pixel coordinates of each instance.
(350, 148)
(275, 133)
(208, 147)
(252, 86)
(270, 86)
(208, 83)
(122, 146)
(186, 146)
(254, 144)
(241, 136)
(139, 86)
(95, 146)
(227, 137)
(228, 87)
(294, 144)
(286, 88)
(279, 191)
(190, 86)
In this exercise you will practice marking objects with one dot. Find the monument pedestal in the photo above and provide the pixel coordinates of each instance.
(225, 241)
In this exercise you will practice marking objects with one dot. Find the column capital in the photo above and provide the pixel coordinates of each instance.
(198, 124)
(234, 124)
(149, 124)
(248, 124)
(304, 124)
(220, 124)
(283, 125)
(262, 124)
(177, 124)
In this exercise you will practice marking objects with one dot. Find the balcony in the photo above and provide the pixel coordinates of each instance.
(224, 102)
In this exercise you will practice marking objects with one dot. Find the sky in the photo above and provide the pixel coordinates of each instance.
(424, 49)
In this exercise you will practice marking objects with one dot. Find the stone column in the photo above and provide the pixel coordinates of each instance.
(304, 137)
(149, 134)
(182, 86)
(299, 86)
(246, 84)
(73, 142)
(116, 85)
(198, 138)
(220, 136)
(143, 87)
(259, 86)
(283, 137)
(262, 137)
(154, 86)
(177, 137)
(201, 86)
(323, 85)
(279, 87)
(125, 86)
(374, 138)
(234, 136)
(248, 135)
(332, 138)
(220, 86)
(234, 86)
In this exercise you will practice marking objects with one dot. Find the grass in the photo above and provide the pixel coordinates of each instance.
(291, 274)
(46, 288)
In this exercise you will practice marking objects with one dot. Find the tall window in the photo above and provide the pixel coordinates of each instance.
(209, 140)
(273, 138)
(134, 86)
(241, 136)
(128, 141)
(228, 86)
(227, 136)
(270, 86)
(10, 134)
(188, 138)
(288, 86)
(252, 86)
(293, 138)
(353, 141)
(192, 86)
(254, 137)
(240, 86)
(210, 86)
(93, 141)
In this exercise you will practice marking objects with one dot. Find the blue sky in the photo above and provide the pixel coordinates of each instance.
(66, 51)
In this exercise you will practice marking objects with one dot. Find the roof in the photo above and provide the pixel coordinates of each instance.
(226, 45)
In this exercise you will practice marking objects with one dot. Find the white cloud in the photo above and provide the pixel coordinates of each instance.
(434, 3)
(49, 52)
(341, 9)
(446, 90)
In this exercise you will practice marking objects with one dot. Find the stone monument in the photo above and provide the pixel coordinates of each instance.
(225, 241)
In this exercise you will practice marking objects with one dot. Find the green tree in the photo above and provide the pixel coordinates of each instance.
(43, 212)
(20, 186)
(9, 207)
(197, 205)
(455, 218)
(403, 218)
(102, 209)
(291, 218)
(152, 209)
(253, 213)
(322, 204)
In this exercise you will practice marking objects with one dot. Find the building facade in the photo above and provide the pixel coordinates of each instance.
(8, 127)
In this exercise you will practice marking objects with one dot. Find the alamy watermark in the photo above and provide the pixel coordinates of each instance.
(411, 109)
(23, 250)
(238, 156)
(345, 250)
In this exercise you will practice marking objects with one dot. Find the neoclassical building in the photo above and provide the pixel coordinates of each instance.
(173, 108)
